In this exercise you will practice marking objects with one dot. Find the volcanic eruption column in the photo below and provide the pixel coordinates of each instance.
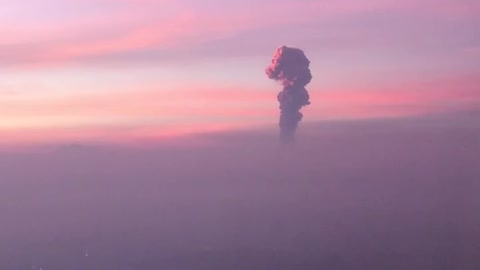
(291, 67)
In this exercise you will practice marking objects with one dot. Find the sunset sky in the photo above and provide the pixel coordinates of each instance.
(120, 69)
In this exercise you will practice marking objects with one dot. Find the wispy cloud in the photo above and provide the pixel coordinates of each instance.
(149, 106)
(182, 110)
(405, 99)
(145, 26)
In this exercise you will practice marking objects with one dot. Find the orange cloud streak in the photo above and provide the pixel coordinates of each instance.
(155, 103)
(411, 98)
(142, 112)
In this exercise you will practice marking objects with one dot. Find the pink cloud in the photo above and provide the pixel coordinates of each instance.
(448, 9)
(237, 104)
(125, 31)
(181, 30)
(189, 110)
(115, 134)
(404, 99)
(133, 108)
(472, 52)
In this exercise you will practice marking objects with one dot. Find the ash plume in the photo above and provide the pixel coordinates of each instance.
(290, 66)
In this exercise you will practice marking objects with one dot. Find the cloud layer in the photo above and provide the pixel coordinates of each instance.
(149, 64)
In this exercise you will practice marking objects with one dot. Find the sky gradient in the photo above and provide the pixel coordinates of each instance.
(104, 69)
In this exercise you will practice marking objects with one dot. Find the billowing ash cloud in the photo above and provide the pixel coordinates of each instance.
(291, 67)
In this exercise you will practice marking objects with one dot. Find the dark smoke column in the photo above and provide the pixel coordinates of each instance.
(291, 67)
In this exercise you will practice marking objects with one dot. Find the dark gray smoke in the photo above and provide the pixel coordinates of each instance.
(291, 67)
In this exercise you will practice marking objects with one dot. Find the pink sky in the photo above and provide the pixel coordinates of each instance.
(119, 69)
